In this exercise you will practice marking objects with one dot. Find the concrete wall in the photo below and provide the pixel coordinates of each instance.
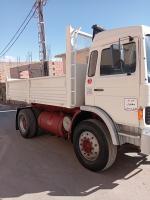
(34, 70)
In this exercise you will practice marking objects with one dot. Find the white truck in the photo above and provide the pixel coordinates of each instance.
(99, 106)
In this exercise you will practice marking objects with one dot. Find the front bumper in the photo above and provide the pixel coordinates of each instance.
(145, 141)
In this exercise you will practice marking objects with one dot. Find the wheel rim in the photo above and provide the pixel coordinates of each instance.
(89, 146)
(23, 124)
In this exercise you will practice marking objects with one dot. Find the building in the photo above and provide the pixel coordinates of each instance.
(56, 68)
(5, 69)
(26, 71)
(35, 70)
(5, 73)
(81, 57)
(31, 70)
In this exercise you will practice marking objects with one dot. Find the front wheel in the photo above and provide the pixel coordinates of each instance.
(93, 145)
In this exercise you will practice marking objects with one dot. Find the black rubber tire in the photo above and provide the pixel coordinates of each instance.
(31, 123)
(37, 112)
(101, 133)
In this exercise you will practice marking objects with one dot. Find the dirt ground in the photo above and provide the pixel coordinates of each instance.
(46, 168)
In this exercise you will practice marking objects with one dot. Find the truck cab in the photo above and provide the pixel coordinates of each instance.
(118, 79)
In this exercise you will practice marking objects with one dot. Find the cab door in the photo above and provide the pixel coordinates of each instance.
(116, 84)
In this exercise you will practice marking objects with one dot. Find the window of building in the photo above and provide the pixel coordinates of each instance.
(120, 62)
(92, 63)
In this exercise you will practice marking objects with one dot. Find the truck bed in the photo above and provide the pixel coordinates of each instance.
(48, 90)
(64, 91)
(43, 90)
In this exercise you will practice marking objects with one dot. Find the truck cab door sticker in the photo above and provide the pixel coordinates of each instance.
(130, 104)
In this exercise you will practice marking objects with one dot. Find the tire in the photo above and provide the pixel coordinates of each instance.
(93, 145)
(27, 123)
(37, 112)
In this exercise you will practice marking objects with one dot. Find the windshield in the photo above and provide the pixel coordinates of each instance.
(147, 40)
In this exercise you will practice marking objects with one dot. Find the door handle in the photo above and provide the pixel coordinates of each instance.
(99, 89)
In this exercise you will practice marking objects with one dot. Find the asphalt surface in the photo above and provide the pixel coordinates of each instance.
(46, 168)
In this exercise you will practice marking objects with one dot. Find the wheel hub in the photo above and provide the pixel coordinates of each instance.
(89, 146)
(23, 123)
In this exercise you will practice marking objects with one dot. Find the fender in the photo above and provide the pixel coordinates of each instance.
(107, 119)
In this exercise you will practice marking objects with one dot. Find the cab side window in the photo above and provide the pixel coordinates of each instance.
(120, 62)
(92, 63)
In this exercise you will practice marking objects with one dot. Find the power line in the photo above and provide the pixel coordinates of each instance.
(7, 47)
(18, 35)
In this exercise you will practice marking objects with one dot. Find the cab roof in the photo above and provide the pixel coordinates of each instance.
(113, 35)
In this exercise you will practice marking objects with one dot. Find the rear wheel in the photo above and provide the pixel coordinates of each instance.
(37, 112)
(27, 123)
(93, 145)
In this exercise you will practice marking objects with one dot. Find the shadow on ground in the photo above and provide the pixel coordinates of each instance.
(48, 163)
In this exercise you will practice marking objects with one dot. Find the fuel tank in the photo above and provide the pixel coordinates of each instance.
(52, 122)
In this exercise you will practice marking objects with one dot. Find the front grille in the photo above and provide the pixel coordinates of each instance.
(147, 115)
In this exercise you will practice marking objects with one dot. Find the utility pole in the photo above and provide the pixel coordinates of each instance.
(41, 34)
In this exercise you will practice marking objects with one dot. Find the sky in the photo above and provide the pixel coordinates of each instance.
(58, 15)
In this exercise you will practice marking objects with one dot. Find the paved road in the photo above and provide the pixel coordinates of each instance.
(46, 168)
